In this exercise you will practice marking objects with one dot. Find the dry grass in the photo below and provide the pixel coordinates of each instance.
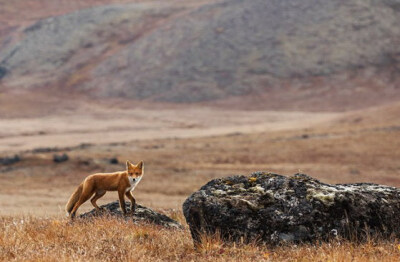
(353, 149)
(49, 239)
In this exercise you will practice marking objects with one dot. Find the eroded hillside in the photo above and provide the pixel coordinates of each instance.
(179, 51)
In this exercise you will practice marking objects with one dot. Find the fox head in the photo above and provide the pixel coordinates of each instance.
(135, 172)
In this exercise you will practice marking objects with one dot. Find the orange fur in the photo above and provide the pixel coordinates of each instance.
(98, 184)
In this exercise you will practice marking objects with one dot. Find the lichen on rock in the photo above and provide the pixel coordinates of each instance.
(272, 208)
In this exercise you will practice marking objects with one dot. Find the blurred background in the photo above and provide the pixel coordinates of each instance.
(196, 89)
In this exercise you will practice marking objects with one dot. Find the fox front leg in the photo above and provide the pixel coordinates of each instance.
(122, 201)
(133, 201)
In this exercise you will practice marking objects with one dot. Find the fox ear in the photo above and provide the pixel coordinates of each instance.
(140, 165)
(128, 164)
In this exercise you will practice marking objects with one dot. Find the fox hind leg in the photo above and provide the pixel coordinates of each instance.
(86, 194)
(96, 197)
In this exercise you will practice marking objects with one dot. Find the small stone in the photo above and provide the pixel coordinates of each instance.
(9, 160)
(114, 161)
(60, 158)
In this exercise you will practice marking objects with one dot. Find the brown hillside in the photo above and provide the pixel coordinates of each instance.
(313, 55)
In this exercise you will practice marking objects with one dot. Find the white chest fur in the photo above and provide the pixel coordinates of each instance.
(133, 183)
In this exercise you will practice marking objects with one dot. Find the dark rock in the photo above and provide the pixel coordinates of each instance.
(114, 161)
(9, 160)
(142, 214)
(60, 158)
(305, 136)
(3, 72)
(272, 208)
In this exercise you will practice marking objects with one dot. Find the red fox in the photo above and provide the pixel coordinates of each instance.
(124, 182)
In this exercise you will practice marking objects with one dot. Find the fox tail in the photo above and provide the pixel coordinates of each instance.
(73, 199)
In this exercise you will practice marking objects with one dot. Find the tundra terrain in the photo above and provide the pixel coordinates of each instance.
(184, 148)
(356, 146)
(197, 90)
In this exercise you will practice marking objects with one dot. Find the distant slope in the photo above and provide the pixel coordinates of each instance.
(61, 45)
(384, 117)
(17, 14)
(236, 47)
(191, 52)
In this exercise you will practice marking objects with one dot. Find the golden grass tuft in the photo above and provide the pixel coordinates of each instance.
(110, 239)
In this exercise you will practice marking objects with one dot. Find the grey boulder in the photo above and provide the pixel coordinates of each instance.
(273, 209)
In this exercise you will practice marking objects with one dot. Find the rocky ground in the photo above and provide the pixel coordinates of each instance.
(142, 214)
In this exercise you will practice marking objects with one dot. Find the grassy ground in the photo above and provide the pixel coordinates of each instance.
(49, 239)
(174, 168)
(360, 147)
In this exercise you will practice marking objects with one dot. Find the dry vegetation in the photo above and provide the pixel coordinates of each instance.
(360, 146)
(47, 239)
(183, 148)
(339, 152)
